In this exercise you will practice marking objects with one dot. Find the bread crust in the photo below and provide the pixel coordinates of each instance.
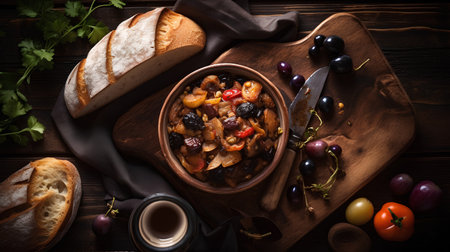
(114, 66)
(37, 217)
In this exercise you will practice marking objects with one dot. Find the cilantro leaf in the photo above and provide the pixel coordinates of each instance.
(53, 24)
(13, 108)
(18, 138)
(98, 31)
(44, 54)
(6, 95)
(117, 3)
(36, 129)
(33, 8)
(34, 56)
(74, 9)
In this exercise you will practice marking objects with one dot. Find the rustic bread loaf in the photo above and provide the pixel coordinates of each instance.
(141, 47)
(38, 203)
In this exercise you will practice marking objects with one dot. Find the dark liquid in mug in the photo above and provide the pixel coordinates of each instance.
(164, 222)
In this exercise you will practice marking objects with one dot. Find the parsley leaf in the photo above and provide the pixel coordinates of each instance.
(53, 24)
(35, 128)
(44, 54)
(16, 135)
(117, 3)
(98, 31)
(34, 56)
(74, 9)
(13, 108)
(6, 95)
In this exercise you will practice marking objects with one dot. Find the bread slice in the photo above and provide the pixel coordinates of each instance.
(38, 204)
(141, 47)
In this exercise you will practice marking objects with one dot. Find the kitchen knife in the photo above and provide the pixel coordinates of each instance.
(299, 116)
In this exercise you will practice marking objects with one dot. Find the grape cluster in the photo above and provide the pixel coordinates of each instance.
(334, 46)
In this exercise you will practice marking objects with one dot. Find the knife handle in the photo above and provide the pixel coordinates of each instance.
(276, 185)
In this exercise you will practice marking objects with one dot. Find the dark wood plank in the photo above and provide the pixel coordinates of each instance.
(414, 38)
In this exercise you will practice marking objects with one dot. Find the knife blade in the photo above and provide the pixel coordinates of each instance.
(299, 116)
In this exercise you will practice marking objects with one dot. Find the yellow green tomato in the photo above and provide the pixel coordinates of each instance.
(359, 212)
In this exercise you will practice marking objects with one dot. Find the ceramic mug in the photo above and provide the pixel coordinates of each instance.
(163, 222)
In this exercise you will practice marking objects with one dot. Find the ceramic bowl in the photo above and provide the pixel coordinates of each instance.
(238, 70)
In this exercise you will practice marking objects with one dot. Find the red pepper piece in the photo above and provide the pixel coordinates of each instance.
(230, 94)
(245, 133)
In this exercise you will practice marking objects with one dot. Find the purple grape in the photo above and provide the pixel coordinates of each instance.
(336, 149)
(316, 149)
(425, 196)
(342, 64)
(284, 68)
(334, 44)
(307, 167)
(297, 82)
(401, 184)
(102, 225)
(326, 104)
(318, 40)
(294, 194)
(314, 51)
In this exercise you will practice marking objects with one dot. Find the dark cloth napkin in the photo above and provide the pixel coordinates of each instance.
(90, 137)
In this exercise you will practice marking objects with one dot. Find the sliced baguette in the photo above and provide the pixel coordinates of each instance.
(38, 203)
(141, 47)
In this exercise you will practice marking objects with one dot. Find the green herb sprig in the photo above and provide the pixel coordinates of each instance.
(56, 27)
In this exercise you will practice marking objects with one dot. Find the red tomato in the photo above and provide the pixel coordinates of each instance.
(394, 222)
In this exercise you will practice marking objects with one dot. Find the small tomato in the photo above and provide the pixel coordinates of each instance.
(394, 222)
(359, 211)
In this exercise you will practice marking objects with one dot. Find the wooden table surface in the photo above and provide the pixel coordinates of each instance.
(415, 38)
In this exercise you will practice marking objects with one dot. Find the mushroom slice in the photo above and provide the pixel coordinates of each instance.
(216, 162)
(217, 126)
(231, 158)
(209, 146)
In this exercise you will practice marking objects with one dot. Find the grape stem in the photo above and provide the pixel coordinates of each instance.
(307, 205)
(326, 187)
(362, 64)
(111, 210)
(311, 132)
(254, 235)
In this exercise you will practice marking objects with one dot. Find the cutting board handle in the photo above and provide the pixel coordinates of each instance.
(271, 197)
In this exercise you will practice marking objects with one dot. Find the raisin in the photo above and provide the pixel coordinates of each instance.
(230, 123)
(193, 144)
(210, 110)
(193, 121)
(246, 110)
(226, 78)
(175, 140)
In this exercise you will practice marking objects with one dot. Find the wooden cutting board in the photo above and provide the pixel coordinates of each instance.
(375, 125)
